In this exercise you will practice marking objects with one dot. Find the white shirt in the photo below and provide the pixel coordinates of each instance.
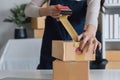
(93, 8)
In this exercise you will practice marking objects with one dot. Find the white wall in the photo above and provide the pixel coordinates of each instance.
(7, 29)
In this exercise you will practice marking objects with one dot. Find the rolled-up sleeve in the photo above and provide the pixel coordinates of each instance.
(93, 10)
(32, 9)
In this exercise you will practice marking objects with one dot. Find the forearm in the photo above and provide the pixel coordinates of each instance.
(92, 13)
(33, 8)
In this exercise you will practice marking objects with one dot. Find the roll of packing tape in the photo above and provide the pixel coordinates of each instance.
(64, 20)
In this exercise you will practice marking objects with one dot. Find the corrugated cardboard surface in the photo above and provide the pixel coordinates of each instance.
(113, 65)
(38, 33)
(113, 55)
(70, 70)
(66, 51)
(38, 23)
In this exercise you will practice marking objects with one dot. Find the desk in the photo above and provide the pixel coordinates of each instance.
(21, 54)
(47, 74)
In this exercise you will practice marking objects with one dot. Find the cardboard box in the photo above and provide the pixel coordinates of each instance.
(66, 51)
(113, 65)
(113, 55)
(70, 70)
(38, 33)
(38, 23)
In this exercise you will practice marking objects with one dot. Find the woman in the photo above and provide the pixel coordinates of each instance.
(85, 13)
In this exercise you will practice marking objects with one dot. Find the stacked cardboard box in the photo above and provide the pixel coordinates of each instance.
(66, 51)
(71, 65)
(38, 33)
(70, 70)
(38, 24)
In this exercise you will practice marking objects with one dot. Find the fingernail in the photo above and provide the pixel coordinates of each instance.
(78, 50)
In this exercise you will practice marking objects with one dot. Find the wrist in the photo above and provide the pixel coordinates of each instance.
(43, 12)
(90, 29)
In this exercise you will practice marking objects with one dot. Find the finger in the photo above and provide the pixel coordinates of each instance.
(90, 42)
(55, 13)
(99, 46)
(56, 17)
(95, 45)
(80, 37)
(83, 42)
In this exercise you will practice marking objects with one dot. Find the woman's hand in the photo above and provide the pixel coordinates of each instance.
(50, 11)
(89, 37)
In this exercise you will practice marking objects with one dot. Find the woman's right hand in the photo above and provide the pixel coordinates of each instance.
(50, 11)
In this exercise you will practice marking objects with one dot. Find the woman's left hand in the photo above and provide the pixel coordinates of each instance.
(89, 37)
